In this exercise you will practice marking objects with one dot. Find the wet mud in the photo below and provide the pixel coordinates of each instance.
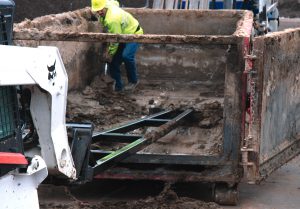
(99, 105)
(167, 198)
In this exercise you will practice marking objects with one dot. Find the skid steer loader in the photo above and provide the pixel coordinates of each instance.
(34, 137)
(32, 78)
(19, 175)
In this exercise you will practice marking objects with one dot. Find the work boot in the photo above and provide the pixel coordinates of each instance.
(115, 89)
(130, 86)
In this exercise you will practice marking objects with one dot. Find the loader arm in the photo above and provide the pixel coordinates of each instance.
(42, 70)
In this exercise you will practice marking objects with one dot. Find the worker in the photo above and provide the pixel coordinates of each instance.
(118, 21)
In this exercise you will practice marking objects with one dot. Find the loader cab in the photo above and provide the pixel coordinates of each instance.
(7, 8)
(11, 144)
(8, 96)
(10, 131)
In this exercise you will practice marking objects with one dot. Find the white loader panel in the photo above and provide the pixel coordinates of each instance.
(19, 190)
(43, 70)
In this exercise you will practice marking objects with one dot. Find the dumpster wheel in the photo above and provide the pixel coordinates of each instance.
(224, 194)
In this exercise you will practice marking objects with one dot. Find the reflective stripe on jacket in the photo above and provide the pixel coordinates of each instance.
(118, 21)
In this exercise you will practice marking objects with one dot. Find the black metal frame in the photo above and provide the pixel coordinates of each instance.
(165, 121)
(129, 164)
(120, 134)
(80, 149)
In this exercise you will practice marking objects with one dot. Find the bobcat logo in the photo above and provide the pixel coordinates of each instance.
(52, 71)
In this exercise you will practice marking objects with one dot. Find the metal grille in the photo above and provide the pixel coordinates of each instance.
(3, 31)
(6, 23)
(8, 113)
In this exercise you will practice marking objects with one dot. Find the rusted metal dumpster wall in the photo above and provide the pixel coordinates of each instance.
(278, 114)
(74, 34)
(204, 55)
(183, 22)
(185, 66)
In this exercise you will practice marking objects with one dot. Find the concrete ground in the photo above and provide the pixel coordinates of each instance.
(280, 191)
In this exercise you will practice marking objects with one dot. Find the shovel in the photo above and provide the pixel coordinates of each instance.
(106, 77)
(105, 69)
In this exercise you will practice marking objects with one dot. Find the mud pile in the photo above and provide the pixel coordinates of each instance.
(99, 105)
(167, 199)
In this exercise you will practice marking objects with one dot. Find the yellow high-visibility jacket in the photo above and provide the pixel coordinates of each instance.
(112, 2)
(118, 21)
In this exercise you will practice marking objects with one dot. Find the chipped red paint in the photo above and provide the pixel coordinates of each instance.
(247, 27)
(9, 158)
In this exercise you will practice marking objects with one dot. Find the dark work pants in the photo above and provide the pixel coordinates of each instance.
(125, 53)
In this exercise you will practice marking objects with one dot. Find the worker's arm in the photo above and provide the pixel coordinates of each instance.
(114, 27)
